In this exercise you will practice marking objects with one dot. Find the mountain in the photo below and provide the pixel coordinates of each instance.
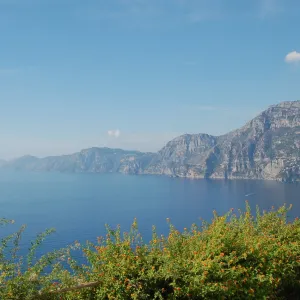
(267, 147)
(184, 156)
(97, 160)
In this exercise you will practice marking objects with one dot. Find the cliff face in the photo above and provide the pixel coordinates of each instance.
(267, 147)
(185, 156)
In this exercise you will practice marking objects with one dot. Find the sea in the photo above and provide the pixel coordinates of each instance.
(79, 205)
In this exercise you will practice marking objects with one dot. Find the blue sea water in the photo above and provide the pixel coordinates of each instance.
(79, 205)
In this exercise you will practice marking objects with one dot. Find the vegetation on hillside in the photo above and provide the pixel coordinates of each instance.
(233, 257)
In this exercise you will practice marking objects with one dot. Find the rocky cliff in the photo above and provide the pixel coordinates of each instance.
(267, 147)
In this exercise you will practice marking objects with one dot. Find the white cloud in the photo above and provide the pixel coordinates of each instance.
(114, 133)
(141, 141)
(292, 57)
(41, 147)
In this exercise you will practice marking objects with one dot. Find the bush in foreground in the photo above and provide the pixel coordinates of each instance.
(233, 257)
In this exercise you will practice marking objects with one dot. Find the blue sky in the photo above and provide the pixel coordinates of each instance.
(136, 73)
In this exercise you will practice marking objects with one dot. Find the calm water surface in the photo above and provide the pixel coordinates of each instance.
(79, 205)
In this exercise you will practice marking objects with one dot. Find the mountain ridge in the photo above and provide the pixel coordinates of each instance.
(266, 147)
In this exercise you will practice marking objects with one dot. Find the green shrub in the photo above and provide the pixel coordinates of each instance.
(233, 257)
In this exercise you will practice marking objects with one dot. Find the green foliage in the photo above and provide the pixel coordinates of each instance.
(233, 257)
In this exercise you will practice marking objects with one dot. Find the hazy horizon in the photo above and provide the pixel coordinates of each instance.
(134, 74)
(124, 148)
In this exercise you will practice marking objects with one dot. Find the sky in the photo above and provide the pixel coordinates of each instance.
(134, 74)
